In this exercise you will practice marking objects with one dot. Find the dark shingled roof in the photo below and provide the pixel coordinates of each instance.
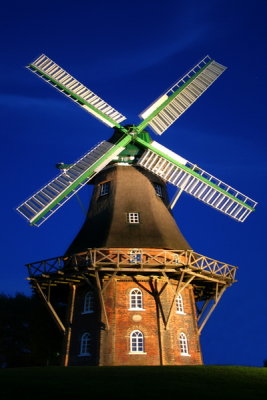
(131, 189)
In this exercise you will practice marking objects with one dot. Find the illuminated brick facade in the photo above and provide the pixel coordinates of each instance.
(161, 341)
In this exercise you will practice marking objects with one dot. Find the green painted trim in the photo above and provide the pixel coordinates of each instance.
(122, 143)
(146, 121)
(80, 99)
(190, 171)
(145, 136)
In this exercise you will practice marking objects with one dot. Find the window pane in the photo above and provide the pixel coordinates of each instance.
(136, 300)
(137, 341)
(133, 218)
(85, 343)
(88, 302)
(179, 304)
(183, 343)
(104, 188)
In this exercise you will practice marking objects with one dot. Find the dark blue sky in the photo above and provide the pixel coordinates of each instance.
(129, 55)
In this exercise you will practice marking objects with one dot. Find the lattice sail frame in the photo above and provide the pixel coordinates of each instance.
(39, 207)
(158, 159)
(195, 181)
(164, 111)
(52, 73)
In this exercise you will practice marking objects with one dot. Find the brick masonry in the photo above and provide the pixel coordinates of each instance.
(110, 342)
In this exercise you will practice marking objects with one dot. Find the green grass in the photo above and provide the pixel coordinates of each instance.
(77, 383)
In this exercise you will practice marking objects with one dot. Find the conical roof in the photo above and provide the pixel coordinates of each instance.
(122, 192)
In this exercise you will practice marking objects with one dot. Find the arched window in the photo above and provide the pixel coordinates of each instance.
(136, 342)
(89, 303)
(179, 304)
(183, 344)
(136, 299)
(85, 344)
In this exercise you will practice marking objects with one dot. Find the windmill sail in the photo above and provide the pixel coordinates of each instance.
(157, 159)
(172, 104)
(52, 73)
(195, 181)
(47, 200)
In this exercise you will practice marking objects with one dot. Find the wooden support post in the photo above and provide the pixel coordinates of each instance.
(101, 298)
(203, 309)
(50, 308)
(108, 282)
(155, 293)
(178, 290)
(217, 298)
(69, 319)
(159, 330)
(174, 297)
(88, 281)
(49, 291)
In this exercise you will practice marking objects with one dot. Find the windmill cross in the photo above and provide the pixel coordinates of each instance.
(154, 157)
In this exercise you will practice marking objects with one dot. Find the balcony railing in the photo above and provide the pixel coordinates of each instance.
(145, 260)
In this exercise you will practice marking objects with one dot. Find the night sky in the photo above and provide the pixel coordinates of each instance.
(129, 54)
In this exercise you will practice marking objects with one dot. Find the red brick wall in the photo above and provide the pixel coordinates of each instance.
(161, 345)
(83, 323)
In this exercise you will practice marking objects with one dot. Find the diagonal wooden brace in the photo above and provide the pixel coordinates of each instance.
(179, 288)
(50, 308)
(216, 299)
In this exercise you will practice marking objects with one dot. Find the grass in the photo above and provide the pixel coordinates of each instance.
(78, 383)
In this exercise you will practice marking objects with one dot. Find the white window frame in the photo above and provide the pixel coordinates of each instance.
(136, 300)
(85, 344)
(133, 218)
(137, 343)
(179, 304)
(89, 303)
(183, 344)
(104, 188)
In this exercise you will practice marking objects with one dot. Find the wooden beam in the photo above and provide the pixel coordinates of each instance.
(108, 282)
(158, 311)
(88, 281)
(178, 290)
(216, 301)
(49, 291)
(163, 288)
(200, 312)
(204, 277)
(102, 302)
(155, 292)
(67, 338)
(174, 296)
(50, 308)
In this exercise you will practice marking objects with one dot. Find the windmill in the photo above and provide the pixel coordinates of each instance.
(123, 237)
